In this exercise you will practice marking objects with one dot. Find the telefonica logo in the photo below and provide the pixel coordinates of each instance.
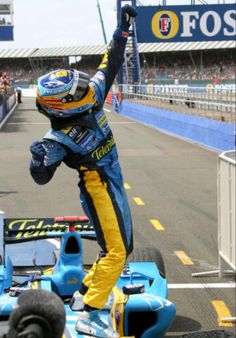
(104, 149)
(166, 24)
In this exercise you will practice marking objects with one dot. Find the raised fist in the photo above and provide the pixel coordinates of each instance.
(38, 152)
(128, 13)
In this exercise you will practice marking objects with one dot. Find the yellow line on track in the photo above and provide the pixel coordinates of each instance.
(157, 225)
(184, 257)
(222, 312)
(127, 186)
(138, 201)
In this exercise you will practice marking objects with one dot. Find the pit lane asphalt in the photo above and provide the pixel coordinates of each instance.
(176, 180)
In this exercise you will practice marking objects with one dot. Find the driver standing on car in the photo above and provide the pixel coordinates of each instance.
(82, 139)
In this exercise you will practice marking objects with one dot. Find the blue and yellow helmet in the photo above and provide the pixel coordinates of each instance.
(64, 93)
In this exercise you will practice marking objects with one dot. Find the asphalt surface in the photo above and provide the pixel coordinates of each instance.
(174, 181)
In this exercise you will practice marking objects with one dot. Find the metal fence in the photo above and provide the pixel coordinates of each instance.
(226, 210)
(215, 102)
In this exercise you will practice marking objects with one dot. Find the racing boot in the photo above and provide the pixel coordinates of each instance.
(90, 323)
(76, 302)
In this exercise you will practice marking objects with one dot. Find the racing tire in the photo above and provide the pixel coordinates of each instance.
(148, 255)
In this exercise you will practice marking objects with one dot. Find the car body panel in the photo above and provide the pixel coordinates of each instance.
(144, 313)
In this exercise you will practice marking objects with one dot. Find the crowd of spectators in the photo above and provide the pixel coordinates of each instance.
(28, 71)
(4, 83)
(210, 66)
(21, 69)
(6, 89)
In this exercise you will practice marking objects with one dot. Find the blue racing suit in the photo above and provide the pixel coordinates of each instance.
(92, 152)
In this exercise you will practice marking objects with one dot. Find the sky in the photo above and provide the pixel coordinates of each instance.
(59, 23)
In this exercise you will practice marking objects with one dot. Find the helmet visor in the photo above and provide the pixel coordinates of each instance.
(80, 86)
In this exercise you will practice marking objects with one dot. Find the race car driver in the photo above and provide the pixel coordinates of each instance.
(81, 137)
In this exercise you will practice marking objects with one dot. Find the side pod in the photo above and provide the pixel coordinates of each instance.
(6, 275)
(148, 316)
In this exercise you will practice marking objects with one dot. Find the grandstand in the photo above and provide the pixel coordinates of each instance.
(195, 62)
(24, 66)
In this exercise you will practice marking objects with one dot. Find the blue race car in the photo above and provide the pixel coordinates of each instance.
(139, 305)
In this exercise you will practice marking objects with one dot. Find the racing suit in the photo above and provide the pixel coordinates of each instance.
(92, 152)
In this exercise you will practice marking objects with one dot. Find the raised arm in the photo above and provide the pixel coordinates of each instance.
(114, 55)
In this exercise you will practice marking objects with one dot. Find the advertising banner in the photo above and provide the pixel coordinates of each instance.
(6, 33)
(186, 23)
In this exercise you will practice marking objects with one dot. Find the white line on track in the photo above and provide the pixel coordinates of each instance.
(230, 285)
(107, 110)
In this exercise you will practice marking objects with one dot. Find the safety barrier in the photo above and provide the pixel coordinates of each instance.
(214, 102)
(7, 106)
(226, 210)
(214, 134)
(226, 198)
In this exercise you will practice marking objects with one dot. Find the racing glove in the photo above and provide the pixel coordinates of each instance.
(128, 13)
(38, 152)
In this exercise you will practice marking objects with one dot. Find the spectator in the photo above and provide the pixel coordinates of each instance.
(19, 94)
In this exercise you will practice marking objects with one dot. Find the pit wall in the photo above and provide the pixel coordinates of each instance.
(217, 135)
(7, 105)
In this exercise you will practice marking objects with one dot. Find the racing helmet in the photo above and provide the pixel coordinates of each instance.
(64, 93)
